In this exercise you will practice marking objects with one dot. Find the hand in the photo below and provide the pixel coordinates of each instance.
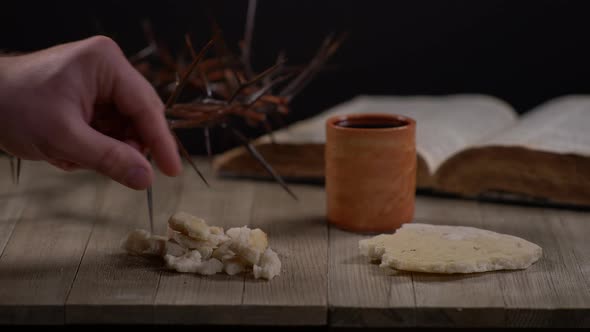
(82, 105)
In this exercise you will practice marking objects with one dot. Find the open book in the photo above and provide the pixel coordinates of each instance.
(468, 145)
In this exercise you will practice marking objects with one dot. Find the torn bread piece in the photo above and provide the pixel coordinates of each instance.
(269, 265)
(192, 246)
(450, 249)
(175, 249)
(141, 242)
(234, 265)
(194, 234)
(204, 247)
(248, 243)
(217, 236)
(191, 262)
(223, 252)
(189, 225)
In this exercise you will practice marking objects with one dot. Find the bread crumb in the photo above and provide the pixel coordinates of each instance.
(205, 247)
(191, 263)
(141, 242)
(248, 243)
(189, 225)
(234, 266)
(174, 249)
(192, 246)
(269, 265)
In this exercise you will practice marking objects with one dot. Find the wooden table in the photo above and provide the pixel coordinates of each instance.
(61, 262)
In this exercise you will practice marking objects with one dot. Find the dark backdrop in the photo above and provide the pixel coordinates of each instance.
(524, 52)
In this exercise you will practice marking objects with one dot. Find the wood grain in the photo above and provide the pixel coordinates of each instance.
(61, 261)
(363, 294)
(194, 299)
(40, 261)
(574, 230)
(12, 202)
(455, 300)
(298, 232)
(552, 292)
(111, 286)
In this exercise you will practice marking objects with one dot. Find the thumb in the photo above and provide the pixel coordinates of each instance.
(110, 157)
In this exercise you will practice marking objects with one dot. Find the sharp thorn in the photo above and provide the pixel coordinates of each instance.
(150, 203)
(18, 168)
(150, 208)
(12, 169)
(208, 143)
(188, 158)
(263, 162)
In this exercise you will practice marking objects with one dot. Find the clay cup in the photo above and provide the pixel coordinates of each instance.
(370, 171)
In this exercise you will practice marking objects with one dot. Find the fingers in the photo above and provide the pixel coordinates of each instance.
(136, 98)
(65, 165)
(136, 145)
(108, 156)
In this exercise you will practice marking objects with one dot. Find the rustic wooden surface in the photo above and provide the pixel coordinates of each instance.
(61, 261)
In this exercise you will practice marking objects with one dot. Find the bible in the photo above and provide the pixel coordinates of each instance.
(468, 145)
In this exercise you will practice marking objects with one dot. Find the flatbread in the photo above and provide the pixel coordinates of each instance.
(449, 249)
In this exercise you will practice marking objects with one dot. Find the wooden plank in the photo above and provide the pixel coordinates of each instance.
(553, 292)
(12, 202)
(298, 232)
(112, 287)
(455, 300)
(570, 229)
(40, 261)
(43, 250)
(362, 294)
(575, 226)
(194, 299)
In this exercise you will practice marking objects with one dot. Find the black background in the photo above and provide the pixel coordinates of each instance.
(524, 52)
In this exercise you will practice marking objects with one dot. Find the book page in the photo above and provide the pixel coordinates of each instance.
(445, 125)
(560, 126)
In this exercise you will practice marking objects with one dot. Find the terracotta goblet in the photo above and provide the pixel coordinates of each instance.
(370, 171)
